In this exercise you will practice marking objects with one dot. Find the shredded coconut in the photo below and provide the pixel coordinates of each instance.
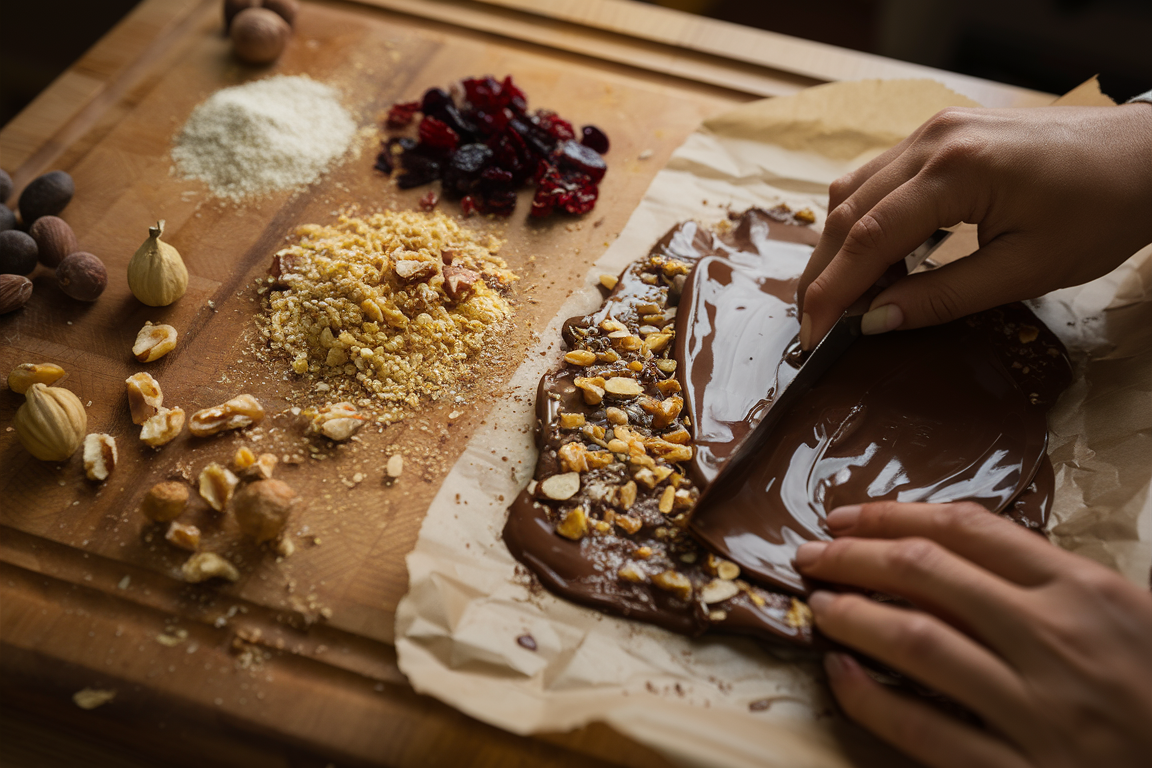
(278, 133)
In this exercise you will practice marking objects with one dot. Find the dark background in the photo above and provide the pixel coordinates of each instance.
(1047, 45)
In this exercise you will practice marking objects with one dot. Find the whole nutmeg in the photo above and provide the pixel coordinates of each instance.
(156, 273)
(233, 7)
(262, 508)
(17, 253)
(7, 218)
(15, 290)
(82, 276)
(259, 35)
(285, 9)
(52, 422)
(54, 239)
(47, 195)
(5, 186)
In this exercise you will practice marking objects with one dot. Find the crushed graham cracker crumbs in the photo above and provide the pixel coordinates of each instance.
(390, 310)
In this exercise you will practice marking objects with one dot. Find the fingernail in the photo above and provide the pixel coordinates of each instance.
(819, 601)
(806, 331)
(808, 553)
(881, 320)
(838, 665)
(843, 518)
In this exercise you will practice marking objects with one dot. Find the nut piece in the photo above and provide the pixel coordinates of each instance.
(414, 270)
(82, 276)
(258, 35)
(208, 565)
(622, 387)
(395, 466)
(561, 487)
(54, 240)
(241, 411)
(164, 501)
(144, 397)
(153, 342)
(262, 509)
(252, 467)
(574, 525)
(51, 423)
(718, 590)
(15, 291)
(183, 536)
(674, 582)
(163, 428)
(27, 374)
(609, 281)
(580, 357)
(216, 485)
(99, 456)
(337, 422)
(727, 570)
(459, 283)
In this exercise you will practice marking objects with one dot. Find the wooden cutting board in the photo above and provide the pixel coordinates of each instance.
(294, 664)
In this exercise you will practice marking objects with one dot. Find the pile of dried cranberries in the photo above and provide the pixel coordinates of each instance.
(483, 145)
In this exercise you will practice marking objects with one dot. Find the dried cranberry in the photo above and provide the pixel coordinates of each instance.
(384, 160)
(535, 138)
(543, 203)
(468, 205)
(555, 126)
(594, 138)
(401, 113)
(418, 170)
(500, 202)
(434, 99)
(581, 200)
(512, 96)
(428, 202)
(483, 93)
(465, 167)
(580, 158)
(437, 136)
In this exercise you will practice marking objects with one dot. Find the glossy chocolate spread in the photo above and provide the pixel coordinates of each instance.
(955, 412)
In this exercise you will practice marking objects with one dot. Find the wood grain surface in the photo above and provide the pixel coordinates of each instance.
(293, 665)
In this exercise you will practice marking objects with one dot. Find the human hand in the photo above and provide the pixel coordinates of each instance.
(1060, 196)
(1052, 651)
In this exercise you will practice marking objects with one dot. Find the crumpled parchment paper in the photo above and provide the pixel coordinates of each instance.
(728, 701)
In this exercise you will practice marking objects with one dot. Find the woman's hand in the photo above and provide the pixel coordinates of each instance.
(1052, 651)
(1060, 196)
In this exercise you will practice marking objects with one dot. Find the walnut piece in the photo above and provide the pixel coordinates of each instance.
(144, 397)
(216, 485)
(153, 342)
(208, 565)
(337, 422)
(183, 536)
(163, 428)
(262, 509)
(99, 456)
(164, 501)
(239, 412)
(459, 283)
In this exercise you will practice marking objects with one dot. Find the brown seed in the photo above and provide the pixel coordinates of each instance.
(82, 276)
(17, 253)
(54, 240)
(46, 195)
(15, 290)
(259, 35)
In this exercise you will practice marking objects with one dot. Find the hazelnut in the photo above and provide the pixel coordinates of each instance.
(99, 456)
(233, 7)
(82, 276)
(258, 35)
(208, 565)
(153, 342)
(164, 501)
(15, 290)
(46, 195)
(17, 253)
(285, 9)
(27, 374)
(51, 423)
(54, 240)
(262, 508)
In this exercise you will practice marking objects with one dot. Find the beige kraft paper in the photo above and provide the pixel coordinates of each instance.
(690, 699)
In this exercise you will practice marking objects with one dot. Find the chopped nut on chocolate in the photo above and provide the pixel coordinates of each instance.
(153, 342)
(183, 536)
(99, 456)
(609, 281)
(674, 582)
(571, 420)
(165, 501)
(561, 487)
(208, 565)
(574, 525)
(216, 485)
(622, 387)
(580, 357)
(239, 412)
(144, 397)
(163, 428)
(337, 422)
(718, 590)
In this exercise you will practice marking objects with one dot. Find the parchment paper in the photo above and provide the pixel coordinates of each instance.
(690, 699)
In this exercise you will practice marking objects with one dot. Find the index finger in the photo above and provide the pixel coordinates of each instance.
(971, 531)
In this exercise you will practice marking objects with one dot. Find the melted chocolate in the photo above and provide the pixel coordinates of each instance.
(954, 412)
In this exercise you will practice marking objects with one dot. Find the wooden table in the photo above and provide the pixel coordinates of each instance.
(295, 665)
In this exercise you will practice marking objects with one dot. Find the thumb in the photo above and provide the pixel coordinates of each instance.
(996, 274)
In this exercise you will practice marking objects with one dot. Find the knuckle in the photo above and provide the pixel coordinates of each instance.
(916, 637)
(942, 304)
(878, 516)
(946, 122)
(840, 189)
(840, 219)
(909, 558)
(865, 236)
(962, 518)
